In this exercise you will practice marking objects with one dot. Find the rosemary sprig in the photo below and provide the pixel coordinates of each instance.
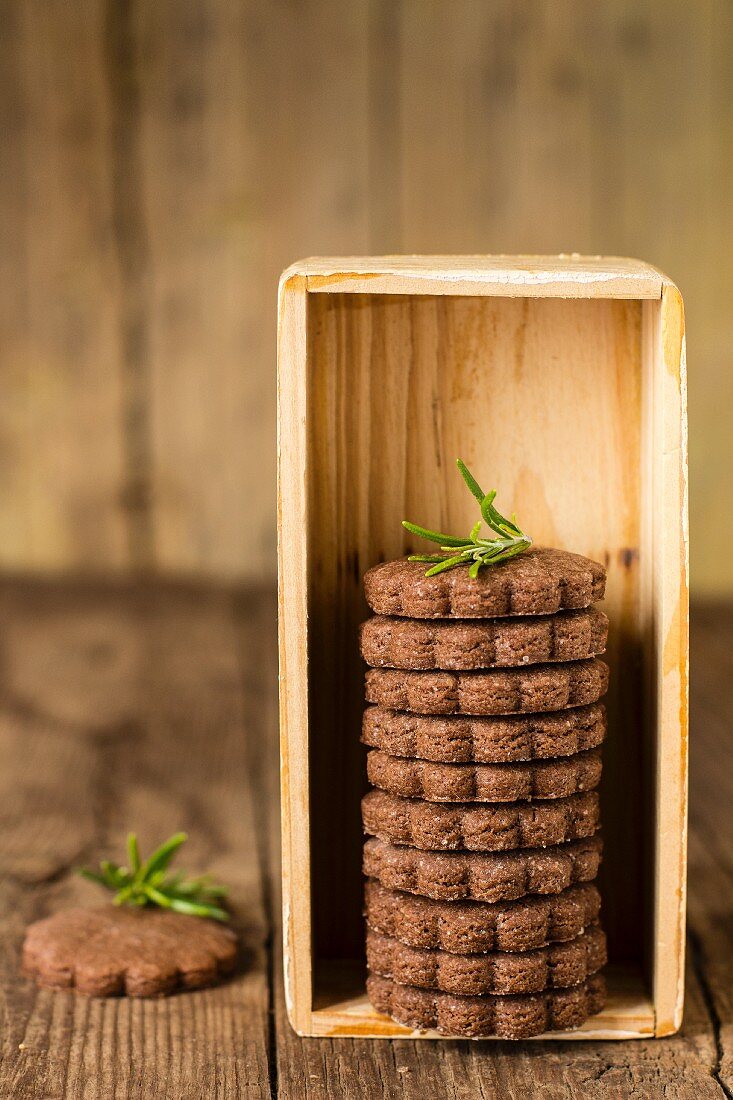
(148, 882)
(473, 551)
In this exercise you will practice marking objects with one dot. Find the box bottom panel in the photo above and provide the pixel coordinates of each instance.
(342, 1009)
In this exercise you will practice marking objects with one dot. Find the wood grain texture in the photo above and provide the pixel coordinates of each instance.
(168, 753)
(215, 712)
(670, 599)
(233, 98)
(60, 312)
(164, 161)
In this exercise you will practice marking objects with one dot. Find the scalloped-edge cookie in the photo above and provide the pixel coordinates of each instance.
(108, 951)
(416, 644)
(557, 778)
(486, 827)
(540, 581)
(536, 689)
(468, 927)
(557, 966)
(457, 739)
(511, 1017)
(482, 876)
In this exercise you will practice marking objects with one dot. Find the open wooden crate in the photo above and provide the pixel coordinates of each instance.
(561, 381)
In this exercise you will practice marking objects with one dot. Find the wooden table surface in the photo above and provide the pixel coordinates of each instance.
(153, 708)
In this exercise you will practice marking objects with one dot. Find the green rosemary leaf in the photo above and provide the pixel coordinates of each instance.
(498, 543)
(194, 909)
(123, 896)
(499, 547)
(149, 884)
(431, 536)
(133, 853)
(201, 886)
(213, 891)
(501, 523)
(156, 896)
(470, 480)
(522, 545)
(486, 510)
(475, 552)
(448, 563)
(115, 876)
(162, 856)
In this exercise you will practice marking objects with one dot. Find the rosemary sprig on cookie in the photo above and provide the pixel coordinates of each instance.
(474, 551)
(147, 882)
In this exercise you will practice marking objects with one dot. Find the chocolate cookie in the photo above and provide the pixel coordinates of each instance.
(484, 782)
(537, 582)
(497, 691)
(471, 644)
(108, 951)
(558, 966)
(467, 927)
(490, 740)
(513, 1017)
(482, 876)
(490, 827)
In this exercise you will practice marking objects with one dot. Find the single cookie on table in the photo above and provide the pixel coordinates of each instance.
(535, 689)
(508, 1017)
(469, 927)
(557, 966)
(489, 827)
(487, 740)
(482, 876)
(472, 644)
(541, 581)
(557, 778)
(109, 950)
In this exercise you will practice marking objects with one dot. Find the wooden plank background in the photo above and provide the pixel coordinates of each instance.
(163, 160)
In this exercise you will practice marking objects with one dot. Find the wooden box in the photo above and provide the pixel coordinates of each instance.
(560, 381)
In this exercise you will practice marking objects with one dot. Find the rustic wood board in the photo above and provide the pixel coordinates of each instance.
(118, 710)
(155, 707)
(164, 160)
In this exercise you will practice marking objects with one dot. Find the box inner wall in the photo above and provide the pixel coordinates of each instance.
(542, 398)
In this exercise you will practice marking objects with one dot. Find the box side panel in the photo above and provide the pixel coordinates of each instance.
(292, 636)
(670, 593)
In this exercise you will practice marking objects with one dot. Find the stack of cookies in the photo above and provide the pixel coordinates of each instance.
(484, 729)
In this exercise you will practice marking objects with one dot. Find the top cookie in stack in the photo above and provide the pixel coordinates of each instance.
(540, 581)
(485, 731)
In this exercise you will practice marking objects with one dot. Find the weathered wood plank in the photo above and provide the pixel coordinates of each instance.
(187, 738)
(711, 823)
(169, 752)
(60, 422)
(247, 159)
